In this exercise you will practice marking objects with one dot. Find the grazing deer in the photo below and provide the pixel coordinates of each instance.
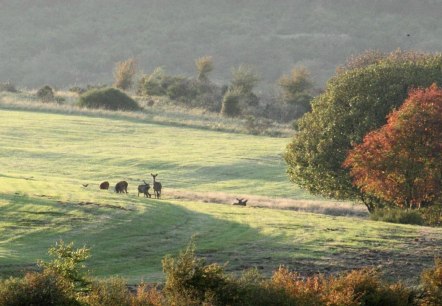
(156, 187)
(241, 202)
(144, 189)
(104, 185)
(121, 187)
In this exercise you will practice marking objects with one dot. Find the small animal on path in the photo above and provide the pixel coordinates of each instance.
(241, 202)
(104, 185)
(144, 189)
(156, 186)
(121, 187)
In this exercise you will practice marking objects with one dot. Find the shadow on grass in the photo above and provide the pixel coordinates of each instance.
(131, 243)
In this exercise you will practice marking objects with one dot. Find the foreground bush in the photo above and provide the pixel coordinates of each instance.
(431, 281)
(37, 289)
(108, 98)
(191, 281)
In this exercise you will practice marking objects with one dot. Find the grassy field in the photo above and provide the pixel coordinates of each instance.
(45, 159)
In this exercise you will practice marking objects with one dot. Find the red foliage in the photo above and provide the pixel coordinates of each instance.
(401, 162)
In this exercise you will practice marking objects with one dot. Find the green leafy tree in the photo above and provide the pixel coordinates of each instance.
(204, 65)
(355, 102)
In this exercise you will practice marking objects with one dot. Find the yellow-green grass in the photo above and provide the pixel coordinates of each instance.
(45, 159)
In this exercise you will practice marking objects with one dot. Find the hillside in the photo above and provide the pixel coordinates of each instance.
(46, 159)
(78, 42)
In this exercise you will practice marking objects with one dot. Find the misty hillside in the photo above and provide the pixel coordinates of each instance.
(63, 43)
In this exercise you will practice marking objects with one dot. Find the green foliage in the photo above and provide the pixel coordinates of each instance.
(109, 292)
(46, 94)
(190, 281)
(355, 102)
(244, 79)
(124, 73)
(108, 98)
(77, 90)
(432, 215)
(204, 65)
(191, 92)
(396, 215)
(231, 106)
(7, 87)
(295, 88)
(431, 282)
(68, 262)
(38, 289)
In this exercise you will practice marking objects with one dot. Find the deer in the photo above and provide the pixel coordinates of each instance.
(156, 186)
(104, 185)
(144, 189)
(121, 187)
(241, 202)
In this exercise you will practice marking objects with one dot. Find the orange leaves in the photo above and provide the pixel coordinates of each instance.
(401, 162)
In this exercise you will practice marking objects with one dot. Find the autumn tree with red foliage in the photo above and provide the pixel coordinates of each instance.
(401, 162)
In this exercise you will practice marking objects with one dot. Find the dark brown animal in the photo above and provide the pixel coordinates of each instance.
(156, 187)
(241, 202)
(121, 187)
(144, 189)
(104, 185)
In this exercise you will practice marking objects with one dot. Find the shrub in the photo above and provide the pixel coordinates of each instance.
(68, 262)
(432, 215)
(8, 87)
(108, 98)
(230, 106)
(37, 289)
(46, 94)
(77, 90)
(395, 215)
(431, 281)
(148, 296)
(190, 281)
(124, 73)
(110, 292)
(204, 65)
(358, 287)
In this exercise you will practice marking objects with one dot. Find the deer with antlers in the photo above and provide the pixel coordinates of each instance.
(144, 189)
(241, 202)
(156, 186)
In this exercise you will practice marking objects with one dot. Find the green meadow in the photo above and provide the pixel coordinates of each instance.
(46, 158)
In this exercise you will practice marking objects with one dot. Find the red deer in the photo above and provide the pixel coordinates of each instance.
(144, 189)
(121, 187)
(156, 187)
(241, 202)
(104, 185)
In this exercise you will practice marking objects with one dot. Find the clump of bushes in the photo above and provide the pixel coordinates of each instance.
(192, 281)
(190, 92)
(396, 215)
(8, 87)
(46, 94)
(108, 98)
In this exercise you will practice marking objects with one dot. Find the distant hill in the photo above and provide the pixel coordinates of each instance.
(63, 43)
